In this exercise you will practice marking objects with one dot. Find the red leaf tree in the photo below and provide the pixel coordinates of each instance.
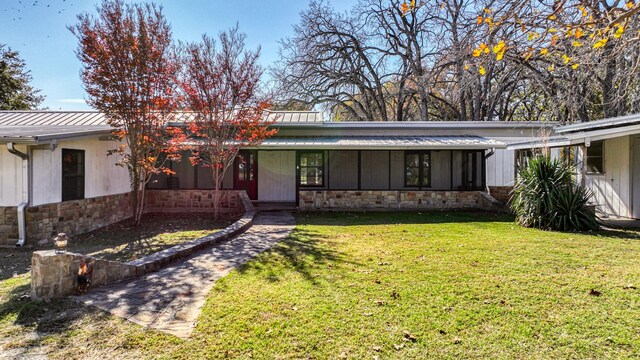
(128, 72)
(219, 85)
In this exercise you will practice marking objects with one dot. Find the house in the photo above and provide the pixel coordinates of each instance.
(607, 158)
(56, 175)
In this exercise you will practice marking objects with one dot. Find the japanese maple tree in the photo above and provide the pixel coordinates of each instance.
(219, 83)
(128, 72)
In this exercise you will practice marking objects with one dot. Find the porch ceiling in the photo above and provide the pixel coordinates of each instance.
(382, 142)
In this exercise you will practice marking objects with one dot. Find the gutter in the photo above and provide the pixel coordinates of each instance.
(22, 207)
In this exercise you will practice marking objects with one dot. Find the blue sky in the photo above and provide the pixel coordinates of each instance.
(37, 29)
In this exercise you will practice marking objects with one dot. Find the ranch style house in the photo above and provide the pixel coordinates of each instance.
(55, 175)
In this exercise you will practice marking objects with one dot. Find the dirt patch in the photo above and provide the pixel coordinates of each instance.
(121, 241)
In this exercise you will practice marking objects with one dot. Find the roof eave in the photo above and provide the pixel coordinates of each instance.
(45, 139)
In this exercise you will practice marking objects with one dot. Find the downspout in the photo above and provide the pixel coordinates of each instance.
(486, 156)
(22, 207)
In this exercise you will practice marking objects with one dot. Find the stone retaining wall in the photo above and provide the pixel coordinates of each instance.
(75, 216)
(8, 225)
(54, 274)
(191, 201)
(501, 193)
(390, 199)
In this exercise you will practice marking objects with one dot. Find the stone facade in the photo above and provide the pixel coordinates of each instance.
(501, 193)
(75, 216)
(54, 274)
(191, 201)
(390, 199)
(8, 225)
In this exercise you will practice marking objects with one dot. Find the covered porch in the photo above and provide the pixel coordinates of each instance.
(353, 172)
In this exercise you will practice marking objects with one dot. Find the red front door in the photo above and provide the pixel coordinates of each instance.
(245, 173)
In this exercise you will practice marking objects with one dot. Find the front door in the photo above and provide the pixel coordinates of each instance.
(245, 173)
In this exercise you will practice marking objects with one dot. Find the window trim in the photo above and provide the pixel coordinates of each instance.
(602, 155)
(78, 195)
(421, 171)
(321, 167)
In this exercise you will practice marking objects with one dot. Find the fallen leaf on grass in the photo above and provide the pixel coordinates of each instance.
(368, 314)
(377, 348)
(380, 302)
(409, 336)
(629, 287)
(595, 292)
(398, 346)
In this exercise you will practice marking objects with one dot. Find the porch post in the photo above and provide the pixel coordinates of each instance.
(581, 163)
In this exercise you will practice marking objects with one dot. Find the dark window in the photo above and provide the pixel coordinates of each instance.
(312, 168)
(417, 166)
(595, 158)
(72, 174)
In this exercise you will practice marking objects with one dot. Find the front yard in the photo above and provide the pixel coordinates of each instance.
(402, 285)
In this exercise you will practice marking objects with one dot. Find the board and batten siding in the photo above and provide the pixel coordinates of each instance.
(612, 189)
(277, 176)
(11, 177)
(343, 169)
(501, 168)
(101, 175)
(374, 170)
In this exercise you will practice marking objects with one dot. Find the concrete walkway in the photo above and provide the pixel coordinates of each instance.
(170, 299)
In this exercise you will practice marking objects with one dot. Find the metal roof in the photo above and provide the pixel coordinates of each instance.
(47, 118)
(39, 134)
(295, 116)
(90, 118)
(382, 142)
(600, 124)
(585, 136)
(552, 141)
(422, 125)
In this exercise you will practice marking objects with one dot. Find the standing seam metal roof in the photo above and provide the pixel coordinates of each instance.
(92, 118)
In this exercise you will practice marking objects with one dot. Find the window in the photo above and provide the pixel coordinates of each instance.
(595, 158)
(72, 174)
(417, 166)
(311, 168)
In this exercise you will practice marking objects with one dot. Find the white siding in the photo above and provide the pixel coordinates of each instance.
(102, 176)
(276, 176)
(10, 177)
(612, 189)
(501, 168)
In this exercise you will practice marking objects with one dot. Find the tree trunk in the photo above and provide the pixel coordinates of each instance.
(216, 193)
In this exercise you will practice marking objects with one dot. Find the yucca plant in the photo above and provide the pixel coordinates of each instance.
(545, 196)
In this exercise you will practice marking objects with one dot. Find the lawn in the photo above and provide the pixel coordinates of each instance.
(401, 285)
(121, 241)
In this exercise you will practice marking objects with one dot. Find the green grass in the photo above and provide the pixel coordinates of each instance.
(462, 285)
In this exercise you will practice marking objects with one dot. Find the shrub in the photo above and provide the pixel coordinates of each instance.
(545, 196)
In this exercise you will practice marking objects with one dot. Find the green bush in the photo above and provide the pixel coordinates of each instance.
(545, 196)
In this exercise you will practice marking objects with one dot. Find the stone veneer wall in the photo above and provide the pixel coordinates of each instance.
(54, 274)
(391, 199)
(8, 225)
(75, 216)
(191, 201)
(501, 193)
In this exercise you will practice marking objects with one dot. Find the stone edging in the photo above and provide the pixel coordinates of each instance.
(158, 260)
(54, 274)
